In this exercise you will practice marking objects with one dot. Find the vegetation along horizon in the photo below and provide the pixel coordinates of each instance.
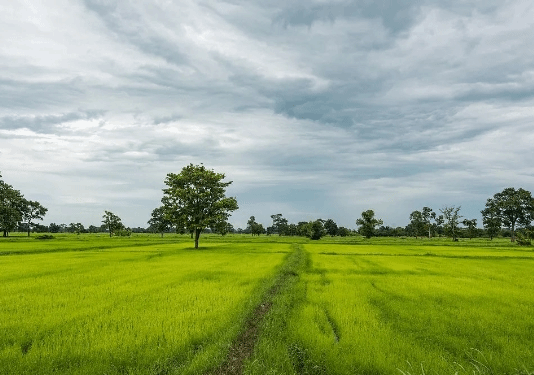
(305, 298)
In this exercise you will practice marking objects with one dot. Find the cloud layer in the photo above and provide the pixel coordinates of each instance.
(313, 108)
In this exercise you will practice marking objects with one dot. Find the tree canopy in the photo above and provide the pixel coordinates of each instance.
(368, 223)
(196, 199)
(513, 208)
(112, 222)
(451, 219)
(14, 208)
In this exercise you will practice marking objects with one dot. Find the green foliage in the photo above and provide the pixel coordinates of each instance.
(367, 223)
(513, 208)
(12, 203)
(315, 230)
(491, 218)
(280, 225)
(32, 210)
(159, 222)
(331, 227)
(451, 219)
(112, 222)
(471, 227)
(417, 224)
(255, 228)
(196, 199)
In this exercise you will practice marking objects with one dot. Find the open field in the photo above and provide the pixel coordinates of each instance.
(128, 309)
(95, 305)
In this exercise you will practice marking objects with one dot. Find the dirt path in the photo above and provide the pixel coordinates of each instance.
(243, 346)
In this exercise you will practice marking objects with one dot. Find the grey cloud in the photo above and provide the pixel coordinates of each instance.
(167, 119)
(46, 124)
(127, 24)
(395, 15)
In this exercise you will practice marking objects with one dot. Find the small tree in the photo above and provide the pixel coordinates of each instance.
(159, 221)
(196, 198)
(367, 223)
(112, 222)
(254, 227)
(451, 218)
(32, 210)
(315, 230)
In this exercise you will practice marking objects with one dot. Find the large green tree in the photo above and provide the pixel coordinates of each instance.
(367, 223)
(513, 207)
(11, 207)
(32, 210)
(196, 198)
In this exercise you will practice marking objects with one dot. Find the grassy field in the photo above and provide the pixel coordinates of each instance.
(149, 305)
(130, 307)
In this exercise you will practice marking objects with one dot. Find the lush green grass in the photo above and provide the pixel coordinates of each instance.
(129, 309)
(404, 309)
(91, 304)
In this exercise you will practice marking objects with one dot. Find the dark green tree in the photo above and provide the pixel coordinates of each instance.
(513, 207)
(417, 224)
(367, 223)
(343, 232)
(491, 219)
(196, 198)
(12, 204)
(112, 222)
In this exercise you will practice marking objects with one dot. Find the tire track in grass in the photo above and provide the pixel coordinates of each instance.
(243, 346)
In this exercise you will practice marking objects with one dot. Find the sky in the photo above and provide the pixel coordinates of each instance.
(314, 109)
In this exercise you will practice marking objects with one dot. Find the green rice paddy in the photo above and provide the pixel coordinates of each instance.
(151, 305)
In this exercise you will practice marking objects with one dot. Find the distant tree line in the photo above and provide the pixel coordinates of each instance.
(194, 202)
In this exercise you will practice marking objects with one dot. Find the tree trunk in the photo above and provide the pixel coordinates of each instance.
(197, 235)
(5, 233)
(161, 234)
(513, 233)
(29, 229)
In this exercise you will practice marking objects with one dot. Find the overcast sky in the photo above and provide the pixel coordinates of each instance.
(313, 108)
